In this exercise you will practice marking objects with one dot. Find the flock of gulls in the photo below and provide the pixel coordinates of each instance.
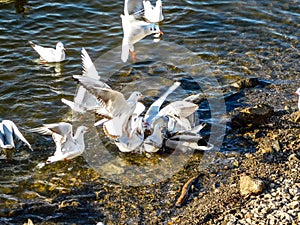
(126, 122)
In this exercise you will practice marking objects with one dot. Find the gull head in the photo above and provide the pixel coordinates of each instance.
(60, 46)
(154, 29)
(82, 129)
(135, 96)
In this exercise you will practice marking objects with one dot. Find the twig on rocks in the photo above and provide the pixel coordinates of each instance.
(185, 191)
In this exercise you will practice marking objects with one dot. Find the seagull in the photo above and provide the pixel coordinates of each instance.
(155, 106)
(119, 109)
(297, 92)
(134, 30)
(134, 136)
(152, 13)
(50, 54)
(9, 131)
(68, 146)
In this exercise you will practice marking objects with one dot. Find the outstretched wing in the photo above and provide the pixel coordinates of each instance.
(113, 101)
(11, 128)
(155, 106)
(133, 7)
(88, 67)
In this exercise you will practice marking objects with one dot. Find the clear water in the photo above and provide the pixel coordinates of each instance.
(214, 43)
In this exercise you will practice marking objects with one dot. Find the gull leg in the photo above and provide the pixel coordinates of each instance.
(133, 55)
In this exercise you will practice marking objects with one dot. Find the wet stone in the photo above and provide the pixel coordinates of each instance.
(252, 115)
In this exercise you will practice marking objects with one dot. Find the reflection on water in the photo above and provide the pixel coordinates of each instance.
(233, 39)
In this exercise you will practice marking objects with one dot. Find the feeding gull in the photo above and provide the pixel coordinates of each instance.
(50, 54)
(119, 110)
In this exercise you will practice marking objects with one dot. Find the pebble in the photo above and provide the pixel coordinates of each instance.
(249, 185)
(278, 205)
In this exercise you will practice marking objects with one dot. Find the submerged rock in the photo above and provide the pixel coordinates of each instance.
(249, 185)
(246, 83)
(252, 115)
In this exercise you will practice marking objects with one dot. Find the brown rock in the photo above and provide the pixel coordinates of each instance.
(252, 115)
(249, 185)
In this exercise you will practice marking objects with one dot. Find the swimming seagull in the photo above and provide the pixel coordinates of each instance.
(119, 109)
(152, 13)
(68, 146)
(134, 30)
(298, 93)
(8, 132)
(50, 54)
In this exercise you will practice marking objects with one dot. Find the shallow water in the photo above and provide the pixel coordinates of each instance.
(208, 45)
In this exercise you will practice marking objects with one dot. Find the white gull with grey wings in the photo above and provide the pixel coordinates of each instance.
(68, 146)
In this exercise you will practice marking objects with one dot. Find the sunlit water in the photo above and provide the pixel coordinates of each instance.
(219, 42)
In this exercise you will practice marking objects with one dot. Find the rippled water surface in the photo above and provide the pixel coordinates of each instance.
(208, 45)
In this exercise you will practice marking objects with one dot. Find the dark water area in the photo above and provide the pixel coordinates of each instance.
(208, 45)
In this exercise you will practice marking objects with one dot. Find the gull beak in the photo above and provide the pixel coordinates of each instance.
(161, 33)
(295, 93)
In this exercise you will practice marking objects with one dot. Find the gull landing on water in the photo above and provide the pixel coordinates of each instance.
(68, 146)
(50, 54)
(9, 131)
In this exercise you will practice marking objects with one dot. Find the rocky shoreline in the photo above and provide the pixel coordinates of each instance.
(270, 162)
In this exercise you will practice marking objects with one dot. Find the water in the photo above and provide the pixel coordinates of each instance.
(223, 41)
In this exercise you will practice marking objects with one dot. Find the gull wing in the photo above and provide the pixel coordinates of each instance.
(155, 106)
(11, 131)
(47, 54)
(58, 131)
(179, 109)
(133, 7)
(88, 67)
(113, 101)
